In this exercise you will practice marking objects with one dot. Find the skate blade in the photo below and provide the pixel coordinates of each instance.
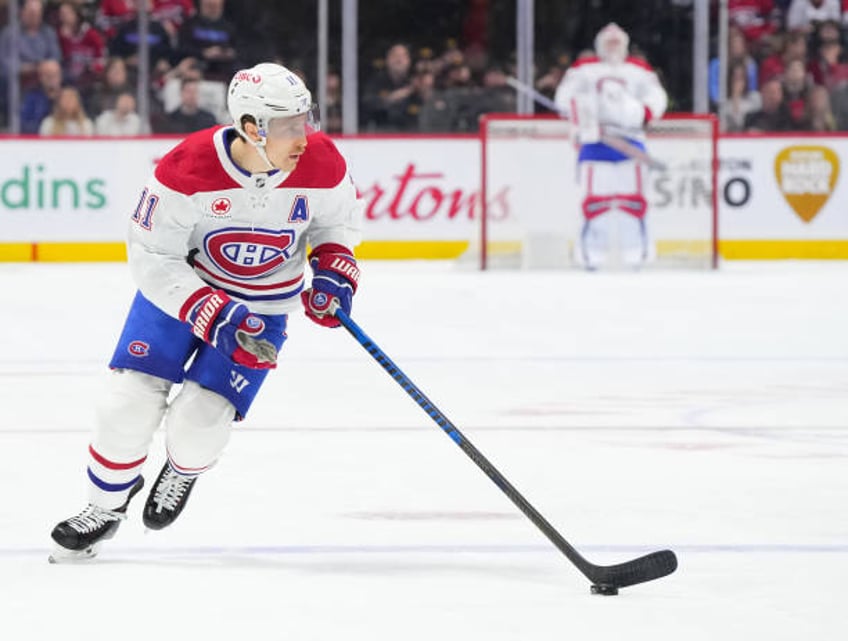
(63, 555)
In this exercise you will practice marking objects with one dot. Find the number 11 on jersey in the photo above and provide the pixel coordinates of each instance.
(143, 214)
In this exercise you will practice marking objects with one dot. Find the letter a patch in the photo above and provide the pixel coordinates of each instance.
(299, 211)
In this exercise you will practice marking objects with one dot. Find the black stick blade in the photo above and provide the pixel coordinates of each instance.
(646, 568)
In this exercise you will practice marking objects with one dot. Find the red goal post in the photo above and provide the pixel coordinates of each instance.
(530, 209)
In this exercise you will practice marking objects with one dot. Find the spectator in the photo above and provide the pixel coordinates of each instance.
(741, 99)
(212, 95)
(839, 104)
(68, 117)
(113, 83)
(83, 48)
(331, 110)
(828, 67)
(188, 116)
(37, 41)
(818, 115)
(210, 38)
(792, 46)
(113, 15)
(774, 114)
(796, 85)
(38, 102)
(387, 94)
(171, 14)
(756, 19)
(120, 121)
(737, 49)
(804, 15)
(125, 43)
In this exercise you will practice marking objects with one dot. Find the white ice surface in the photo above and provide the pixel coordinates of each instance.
(703, 412)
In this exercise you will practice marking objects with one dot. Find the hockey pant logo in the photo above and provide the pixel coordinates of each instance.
(238, 382)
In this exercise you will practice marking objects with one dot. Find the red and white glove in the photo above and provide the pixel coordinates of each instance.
(334, 280)
(230, 328)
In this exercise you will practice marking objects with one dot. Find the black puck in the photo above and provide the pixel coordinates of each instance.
(606, 590)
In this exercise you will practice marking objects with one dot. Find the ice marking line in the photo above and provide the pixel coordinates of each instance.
(806, 431)
(57, 368)
(743, 430)
(423, 549)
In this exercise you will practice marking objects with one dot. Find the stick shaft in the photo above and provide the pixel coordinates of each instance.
(616, 142)
(588, 569)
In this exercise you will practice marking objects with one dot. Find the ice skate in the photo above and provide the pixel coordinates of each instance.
(167, 498)
(79, 537)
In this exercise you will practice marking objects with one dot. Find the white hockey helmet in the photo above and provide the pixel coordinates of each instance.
(269, 91)
(611, 44)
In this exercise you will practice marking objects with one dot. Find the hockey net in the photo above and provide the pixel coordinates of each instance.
(531, 214)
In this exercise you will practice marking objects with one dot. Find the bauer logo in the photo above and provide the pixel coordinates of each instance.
(138, 348)
(806, 176)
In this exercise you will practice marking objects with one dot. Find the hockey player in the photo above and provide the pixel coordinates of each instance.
(217, 247)
(609, 96)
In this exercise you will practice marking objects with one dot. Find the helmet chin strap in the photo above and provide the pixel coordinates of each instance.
(260, 149)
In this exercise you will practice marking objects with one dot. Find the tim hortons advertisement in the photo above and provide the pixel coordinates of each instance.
(772, 190)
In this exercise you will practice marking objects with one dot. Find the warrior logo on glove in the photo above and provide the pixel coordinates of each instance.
(335, 277)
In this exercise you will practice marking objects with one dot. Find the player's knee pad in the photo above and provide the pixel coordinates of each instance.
(198, 426)
(128, 413)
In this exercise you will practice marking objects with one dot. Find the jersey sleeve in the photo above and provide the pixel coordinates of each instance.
(339, 220)
(574, 83)
(652, 94)
(157, 247)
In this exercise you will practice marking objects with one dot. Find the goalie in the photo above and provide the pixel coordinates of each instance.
(611, 96)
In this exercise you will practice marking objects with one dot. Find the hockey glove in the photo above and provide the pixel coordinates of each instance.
(334, 280)
(230, 328)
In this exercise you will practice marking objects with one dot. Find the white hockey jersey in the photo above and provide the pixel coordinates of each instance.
(203, 221)
(622, 97)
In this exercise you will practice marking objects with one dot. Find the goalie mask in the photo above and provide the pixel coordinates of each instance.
(611, 44)
(276, 99)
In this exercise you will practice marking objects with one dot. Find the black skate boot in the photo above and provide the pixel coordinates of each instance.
(167, 498)
(79, 537)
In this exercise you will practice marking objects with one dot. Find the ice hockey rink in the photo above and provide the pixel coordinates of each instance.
(705, 412)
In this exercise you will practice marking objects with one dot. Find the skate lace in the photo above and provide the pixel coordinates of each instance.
(170, 491)
(93, 518)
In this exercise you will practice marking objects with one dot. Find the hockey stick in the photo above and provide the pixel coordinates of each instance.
(615, 142)
(606, 579)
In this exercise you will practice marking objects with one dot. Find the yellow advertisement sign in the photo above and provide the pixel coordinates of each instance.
(806, 176)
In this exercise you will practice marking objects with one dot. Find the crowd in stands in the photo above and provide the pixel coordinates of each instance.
(787, 70)
(79, 61)
(787, 67)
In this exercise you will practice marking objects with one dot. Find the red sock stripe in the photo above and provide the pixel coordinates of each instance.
(111, 464)
(187, 471)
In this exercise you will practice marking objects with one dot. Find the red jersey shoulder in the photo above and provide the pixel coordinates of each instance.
(320, 167)
(193, 166)
(639, 62)
(582, 62)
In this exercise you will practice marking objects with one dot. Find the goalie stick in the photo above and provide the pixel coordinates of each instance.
(615, 142)
(606, 579)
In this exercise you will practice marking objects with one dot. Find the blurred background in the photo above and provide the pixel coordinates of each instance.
(432, 68)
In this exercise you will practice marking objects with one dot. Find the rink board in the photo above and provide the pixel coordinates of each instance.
(69, 200)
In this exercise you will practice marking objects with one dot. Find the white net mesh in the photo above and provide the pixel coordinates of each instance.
(532, 217)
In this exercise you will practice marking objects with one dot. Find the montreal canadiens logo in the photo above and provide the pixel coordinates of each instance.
(221, 206)
(249, 253)
(138, 348)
